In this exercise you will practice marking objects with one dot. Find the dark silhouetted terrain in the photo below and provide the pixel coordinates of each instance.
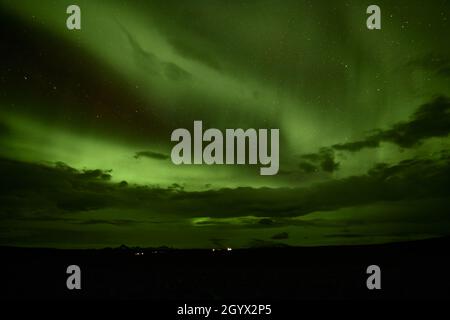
(416, 269)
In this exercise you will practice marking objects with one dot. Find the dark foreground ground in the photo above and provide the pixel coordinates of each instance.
(417, 269)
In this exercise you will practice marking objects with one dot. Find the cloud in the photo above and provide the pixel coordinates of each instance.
(307, 167)
(412, 195)
(409, 179)
(218, 242)
(259, 243)
(280, 236)
(438, 64)
(431, 119)
(346, 235)
(266, 222)
(57, 190)
(114, 222)
(324, 160)
(96, 174)
(151, 155)
(36, 189)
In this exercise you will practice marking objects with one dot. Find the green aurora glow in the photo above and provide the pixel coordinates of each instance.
(364, 118)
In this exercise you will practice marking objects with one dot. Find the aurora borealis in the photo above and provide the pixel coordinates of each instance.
(86, 117)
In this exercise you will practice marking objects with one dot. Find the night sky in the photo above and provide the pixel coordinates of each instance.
(86, 117)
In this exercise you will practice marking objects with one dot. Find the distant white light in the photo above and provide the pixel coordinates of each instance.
(229, 249)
